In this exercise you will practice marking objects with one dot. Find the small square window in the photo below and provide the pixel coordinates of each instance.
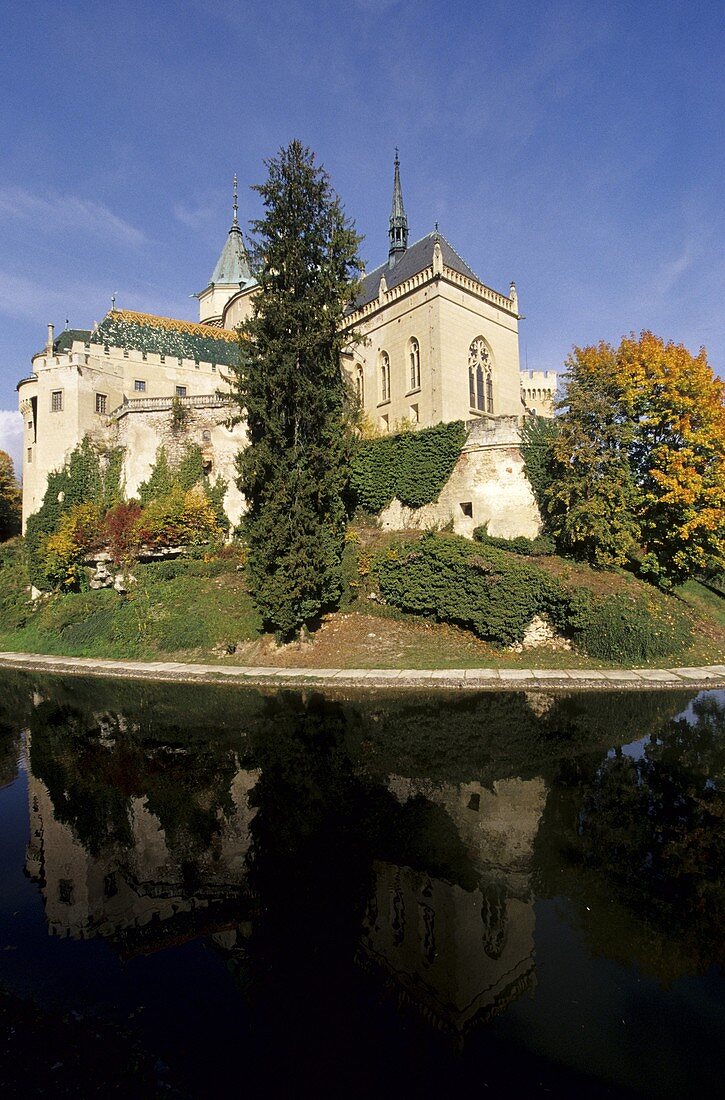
(181, 391)
(196, 364)
(162, 358)
(56, 401)
(213, 366)
(467, 508)
(139, 386)
(30, 454)
(101, 403)
(206, 437)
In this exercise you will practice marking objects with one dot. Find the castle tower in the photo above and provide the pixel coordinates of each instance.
(231, 274)
(398, 231)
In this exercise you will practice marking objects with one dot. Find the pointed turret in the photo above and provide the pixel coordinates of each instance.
(398, 231)
(231, 273)
(233, 264)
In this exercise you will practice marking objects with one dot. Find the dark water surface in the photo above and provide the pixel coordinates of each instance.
(205, 890)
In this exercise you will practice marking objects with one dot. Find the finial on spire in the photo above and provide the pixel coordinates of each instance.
(235, 206)
(398, 231)
(113, 301)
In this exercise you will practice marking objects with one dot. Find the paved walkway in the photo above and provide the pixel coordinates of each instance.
(476, 679)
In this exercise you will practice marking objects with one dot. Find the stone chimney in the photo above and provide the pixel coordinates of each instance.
(50, 341)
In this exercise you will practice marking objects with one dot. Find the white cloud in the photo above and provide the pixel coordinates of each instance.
(66, 212)
(11, 437)
(196, 217)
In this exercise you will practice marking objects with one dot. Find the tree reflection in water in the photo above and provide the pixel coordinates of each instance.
(352, 860)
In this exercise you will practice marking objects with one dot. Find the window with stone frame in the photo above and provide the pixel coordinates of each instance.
(101, 403)
(384, 376)
(414, 359)
(56, 401)
(480, 376)
(181, 391)
(360, 386)
(139, 385)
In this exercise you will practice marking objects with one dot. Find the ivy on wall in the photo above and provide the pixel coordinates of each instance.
(412, 466)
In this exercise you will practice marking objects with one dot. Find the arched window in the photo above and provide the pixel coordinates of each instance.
(360, 386)
(414, 355)
(384, 376)
(480, 376)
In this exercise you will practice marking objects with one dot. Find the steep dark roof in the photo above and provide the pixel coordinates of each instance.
(124, 328)
(68, 336)
(417, 258)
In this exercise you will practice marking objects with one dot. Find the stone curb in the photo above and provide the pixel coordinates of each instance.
(471, 679)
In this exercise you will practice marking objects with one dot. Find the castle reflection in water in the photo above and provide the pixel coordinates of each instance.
(150, 836)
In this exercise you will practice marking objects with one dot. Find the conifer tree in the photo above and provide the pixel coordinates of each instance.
(293, 396)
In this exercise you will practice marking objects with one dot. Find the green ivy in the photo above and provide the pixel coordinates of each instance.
(412, 466)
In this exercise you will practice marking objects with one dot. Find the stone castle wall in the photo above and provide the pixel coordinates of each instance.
(488, 486)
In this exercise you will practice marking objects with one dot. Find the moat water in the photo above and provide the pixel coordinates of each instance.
(204, 890)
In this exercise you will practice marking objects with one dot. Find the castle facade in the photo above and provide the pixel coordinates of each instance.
(433, 343)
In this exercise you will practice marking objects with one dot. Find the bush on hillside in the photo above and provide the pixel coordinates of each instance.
(540, 546)
(478, 587)
(628, 626)
(495, 594)
(178, 519)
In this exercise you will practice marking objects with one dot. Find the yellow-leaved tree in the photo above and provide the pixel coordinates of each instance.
(637, 472)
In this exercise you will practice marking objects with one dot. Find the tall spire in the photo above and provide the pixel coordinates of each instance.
(398, 231)
(233, 265)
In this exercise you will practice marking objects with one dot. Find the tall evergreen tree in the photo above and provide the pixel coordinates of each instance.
(293, 396)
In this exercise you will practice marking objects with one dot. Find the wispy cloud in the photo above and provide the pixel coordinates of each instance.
(26, 299)
(196, 217)
(64, 212)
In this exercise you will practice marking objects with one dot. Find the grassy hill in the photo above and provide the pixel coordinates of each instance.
(200, 610)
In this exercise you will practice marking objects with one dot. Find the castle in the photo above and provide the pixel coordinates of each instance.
(437, 345)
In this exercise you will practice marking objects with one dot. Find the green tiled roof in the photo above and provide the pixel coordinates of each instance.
(68, 336)
(123, 328)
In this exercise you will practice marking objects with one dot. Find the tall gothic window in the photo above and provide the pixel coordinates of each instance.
(414, 364)
(384, 376)
(480, 376)
(360, 386)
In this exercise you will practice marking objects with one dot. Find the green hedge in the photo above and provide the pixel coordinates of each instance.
(412, 466)
(532, 548)
(478, 587)
(495, 594)
(628, 626)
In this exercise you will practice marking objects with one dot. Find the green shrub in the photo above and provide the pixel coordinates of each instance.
(412, 466)
(628, 626)
(540, 546)
(179, 518)
(474, 586)
(495, 594)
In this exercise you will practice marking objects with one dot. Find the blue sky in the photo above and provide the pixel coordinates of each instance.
(576, 147)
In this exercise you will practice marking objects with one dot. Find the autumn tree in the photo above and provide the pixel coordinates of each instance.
(638, 463)
(10, 499)
(292, 394)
